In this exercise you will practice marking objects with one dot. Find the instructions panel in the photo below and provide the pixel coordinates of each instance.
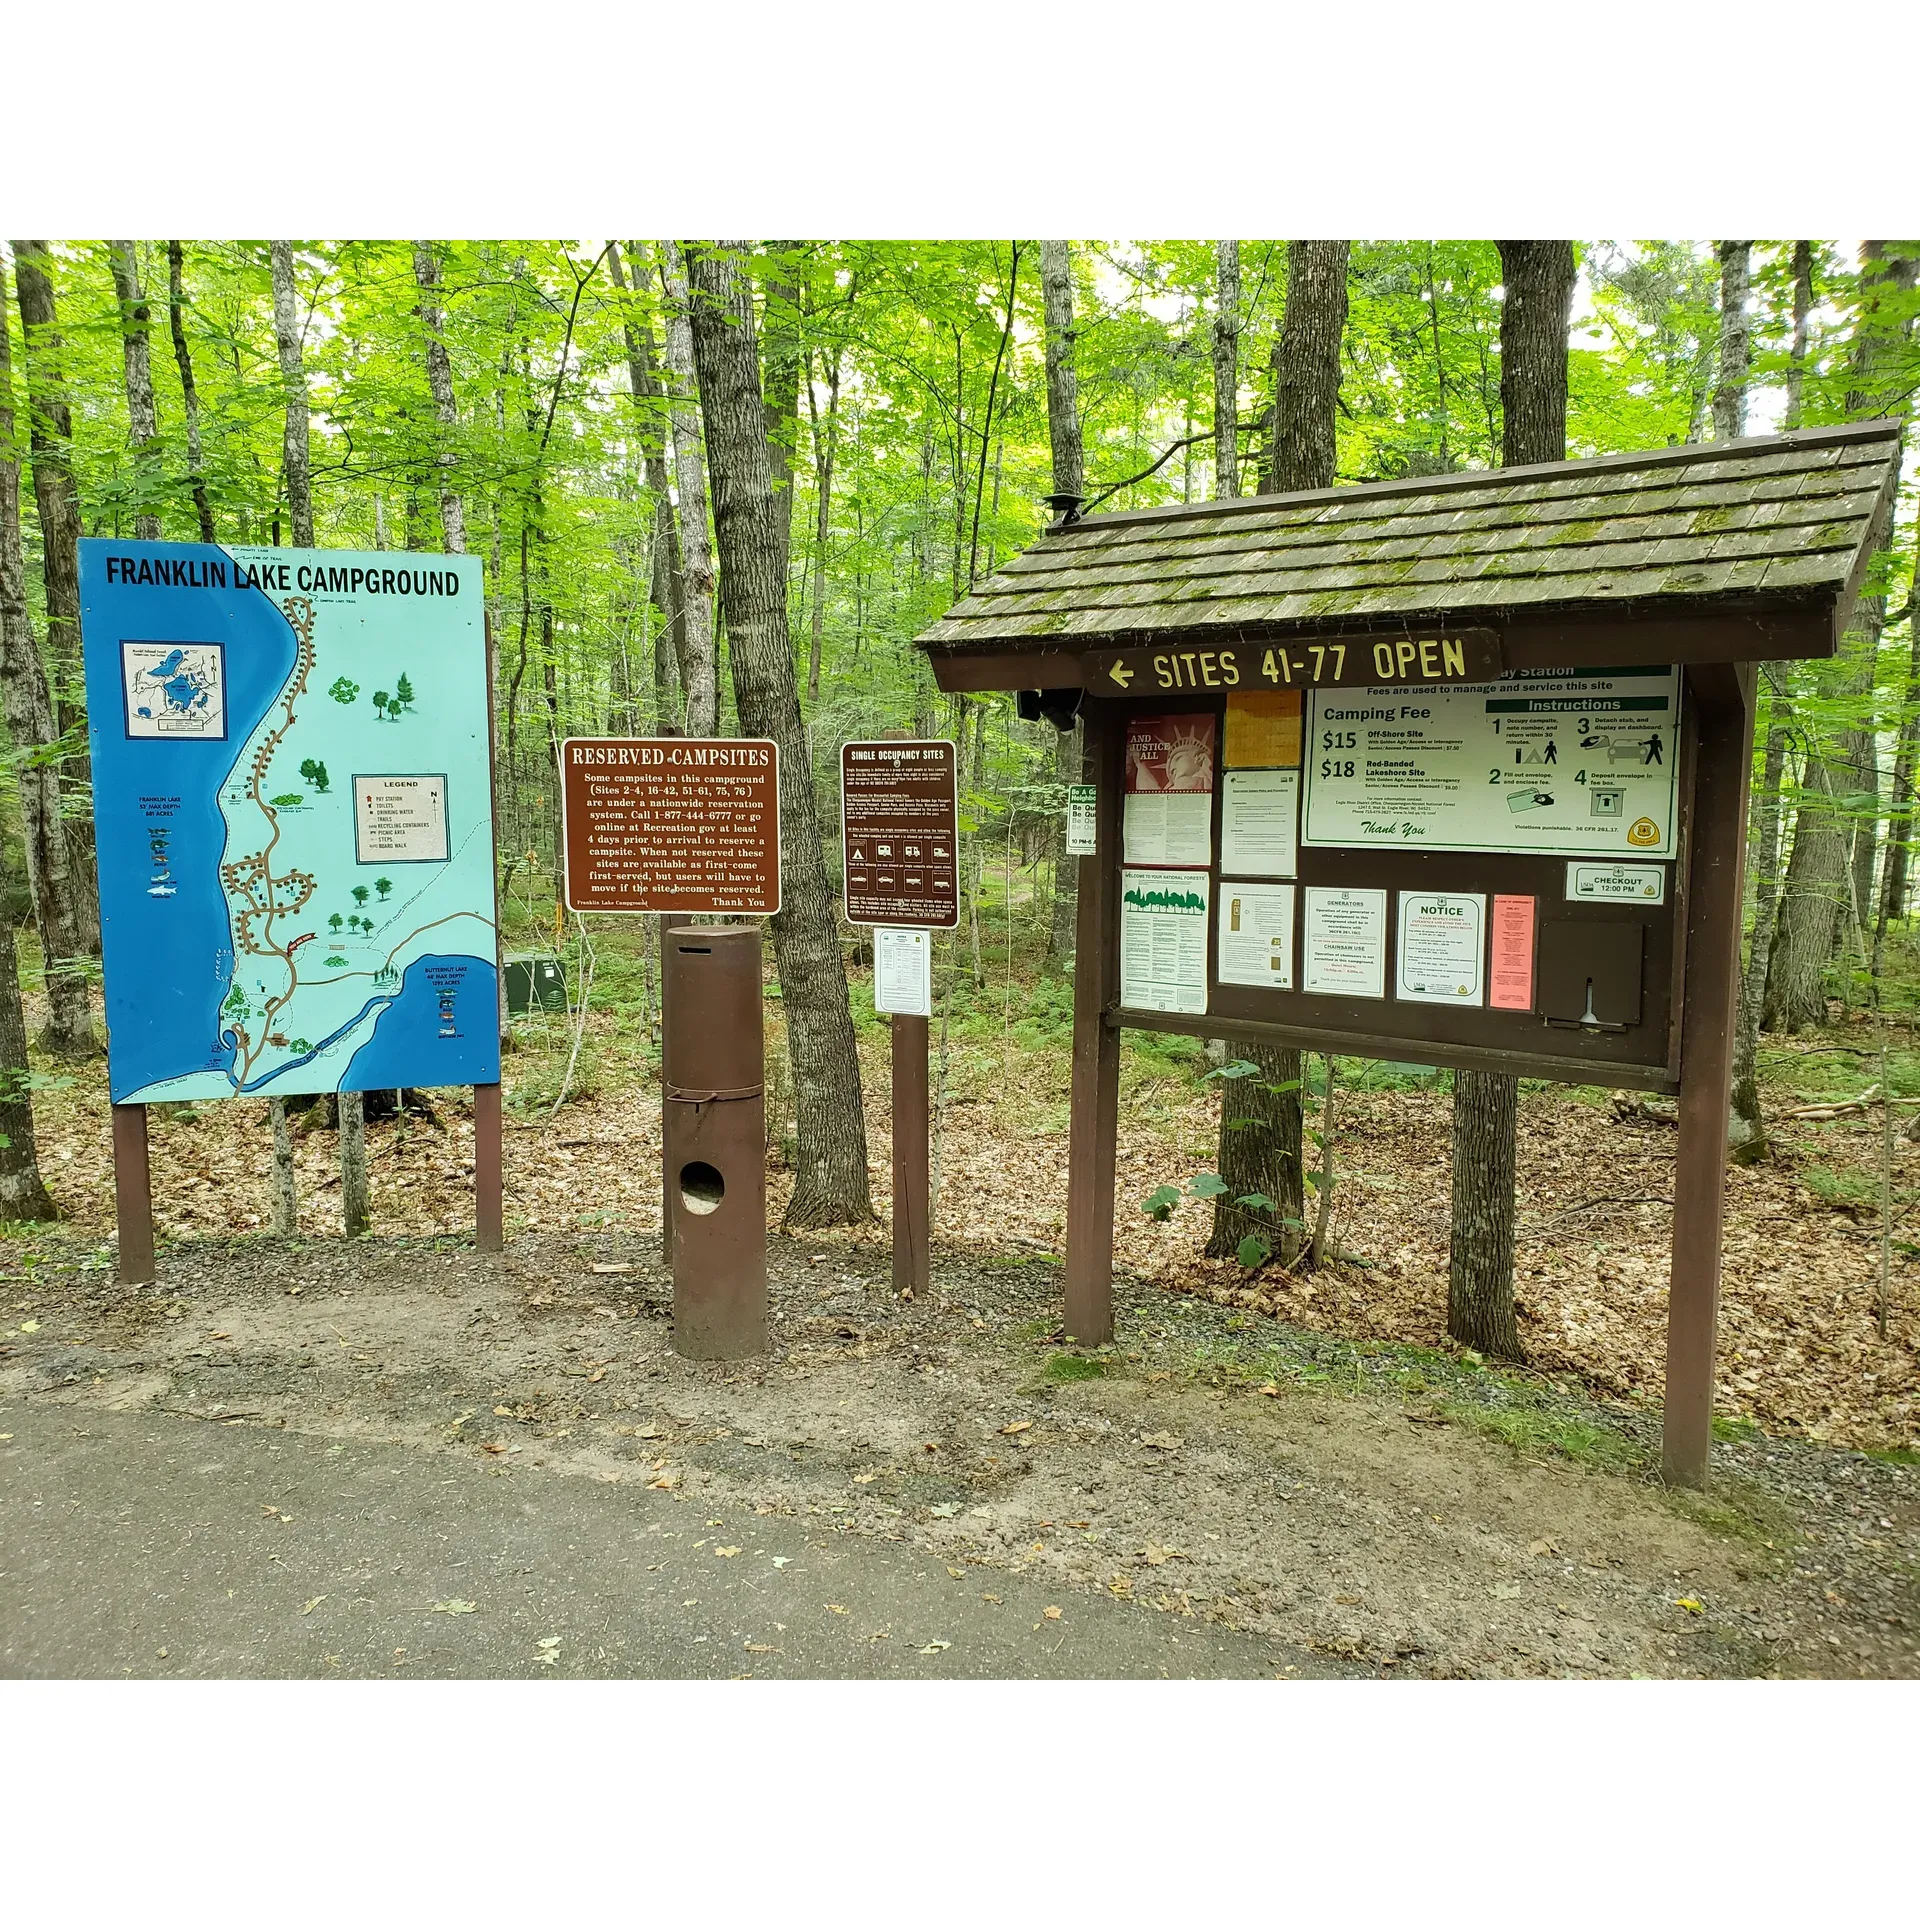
(399, 817)
(1546, 762)
(1163, 939)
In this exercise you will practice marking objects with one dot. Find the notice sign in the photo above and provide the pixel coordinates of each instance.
(1256, 935)
(399, 817)
(671, 826)
(1544, 761)
(1163, 939)
(1344, 947)
(1510, 972)
(1441, 935)
(900, 825)
(1081, 834)
(1168, 820)
(903, 971)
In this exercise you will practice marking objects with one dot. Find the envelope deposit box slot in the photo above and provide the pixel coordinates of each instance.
(1590, 972)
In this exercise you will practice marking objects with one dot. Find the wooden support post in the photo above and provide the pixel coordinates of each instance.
(912, 1265)
(668, 921)
(133, 1195)
(489, 1226)
(1096, 1046)
(1723, 708)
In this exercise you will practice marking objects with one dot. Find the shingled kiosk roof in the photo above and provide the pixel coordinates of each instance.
(1773, 534)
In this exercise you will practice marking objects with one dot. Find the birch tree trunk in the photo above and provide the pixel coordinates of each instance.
(453, 513)
(1539, 281)
(1736, 339)
(1226, 372)
(1261, 1123)
(830, 1173)
(189, 393)
(136, 330)
(293, 385)
(23, 1196)
(30, 728)
(1802, 331)
(57, 496)
(698, 673)
(1069, 476)
(666, 582)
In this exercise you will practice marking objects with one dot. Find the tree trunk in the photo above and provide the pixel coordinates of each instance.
(697, 672)
(453, 513)
(1539, 280)
(1069, 476)
(30, 727)
(1260, 1113)
(286, 1204)
(1736, 339)
(825, 447)
(830, 1174)
(780, 380)
(1480, 1312)
(293, 385)
(1802, 331)
(667, 583)
(57, 496)
(1893, 892)
(189, 394)
(1747, 1127)
(136, 331)
(355, 1211)
(1301, 452)
(1226, 372)
(22, 1194)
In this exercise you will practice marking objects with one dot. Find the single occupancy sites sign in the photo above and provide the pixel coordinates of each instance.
(672, 826)
(900, 811)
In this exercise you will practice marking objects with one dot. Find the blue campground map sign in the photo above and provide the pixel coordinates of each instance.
(293, 811)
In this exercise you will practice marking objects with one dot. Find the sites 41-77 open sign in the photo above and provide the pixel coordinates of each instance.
(672, 825)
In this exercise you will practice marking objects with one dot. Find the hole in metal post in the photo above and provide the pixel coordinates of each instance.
(701, 1187)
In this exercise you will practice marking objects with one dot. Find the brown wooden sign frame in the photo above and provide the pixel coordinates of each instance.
(1707, 559)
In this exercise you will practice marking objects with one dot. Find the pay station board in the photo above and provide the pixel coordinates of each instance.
(1481, 873)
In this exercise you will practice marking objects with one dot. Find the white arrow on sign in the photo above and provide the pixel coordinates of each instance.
(1120, 672)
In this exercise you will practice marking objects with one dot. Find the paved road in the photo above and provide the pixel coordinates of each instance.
(149, 1544)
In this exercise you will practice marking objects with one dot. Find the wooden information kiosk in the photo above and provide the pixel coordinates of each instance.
(1445, 770)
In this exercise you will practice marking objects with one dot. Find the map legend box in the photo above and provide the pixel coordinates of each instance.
(399, 818)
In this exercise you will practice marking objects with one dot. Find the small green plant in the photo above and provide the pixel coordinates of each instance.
(314, 773)
(345, 691)
(1078, 1366)
(380, 702)
(335, 960)
(289, 799)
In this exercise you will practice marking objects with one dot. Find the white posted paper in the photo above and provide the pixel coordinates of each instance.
(1256, 935)
(1163, 939)
(1600, 880)
(1171, 828)
(1259, 820)
(1442, 937)
(1345, 945)
(903, 971)
(1081, 832)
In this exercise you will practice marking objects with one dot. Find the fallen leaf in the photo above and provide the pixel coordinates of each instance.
(751, 1648)
(311, 1604)
(992, 1599)
(945, 1510)
(725, 1553)
(831, 1608)
(29, 1326)
(865, 1479)
(981, 1513)
(959, 1573)
(1692, 1603)
(1121, 1588)
(650, 1432)
(1016, 1426)
(1157, 1556)
(1163, 1441)
(782, 1560)
(664, 1480)
(932, 1646)
(1270, 1388)
(1537, 1547)
(455, 1606)
(549, 1652)
(1050, 1613)
(611, 1266)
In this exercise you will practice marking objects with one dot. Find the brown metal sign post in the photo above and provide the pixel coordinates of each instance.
(900, 837)
(1446, 770)
(678, 827)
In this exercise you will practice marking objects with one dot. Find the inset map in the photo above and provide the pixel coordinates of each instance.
(174, 690)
